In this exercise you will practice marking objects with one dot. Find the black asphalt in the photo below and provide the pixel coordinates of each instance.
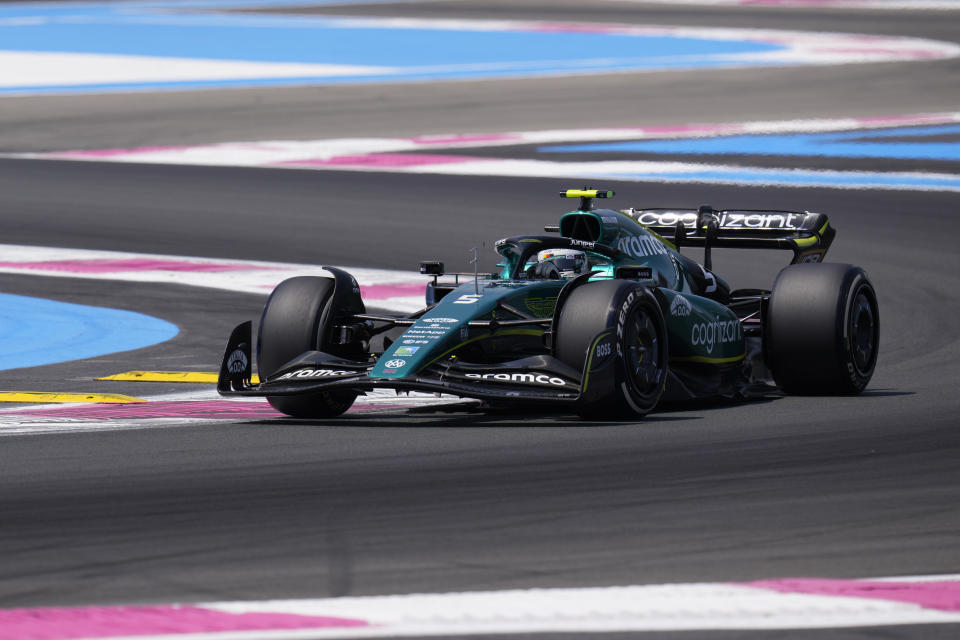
(836, 487)
(786, 487)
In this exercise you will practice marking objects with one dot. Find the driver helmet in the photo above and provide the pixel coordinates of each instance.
(561, 263)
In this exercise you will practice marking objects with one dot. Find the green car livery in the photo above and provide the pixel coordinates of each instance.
(604, 315)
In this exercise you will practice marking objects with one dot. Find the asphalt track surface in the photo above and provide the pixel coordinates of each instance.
(787, 486)
(171, 118)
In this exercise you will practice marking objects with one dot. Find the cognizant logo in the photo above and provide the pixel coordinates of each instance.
(707, 334)
(726, 219)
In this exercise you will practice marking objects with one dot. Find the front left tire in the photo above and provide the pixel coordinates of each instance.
(291, 324)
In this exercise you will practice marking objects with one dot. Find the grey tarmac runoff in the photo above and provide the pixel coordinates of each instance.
(442, 500)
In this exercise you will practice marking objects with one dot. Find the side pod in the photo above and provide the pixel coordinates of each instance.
(236, 368)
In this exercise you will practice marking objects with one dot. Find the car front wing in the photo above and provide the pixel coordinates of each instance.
(533, 379)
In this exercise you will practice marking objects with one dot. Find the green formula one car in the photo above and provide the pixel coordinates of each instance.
(606, 317)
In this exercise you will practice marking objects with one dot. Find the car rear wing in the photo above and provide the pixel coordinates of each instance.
(807, 234)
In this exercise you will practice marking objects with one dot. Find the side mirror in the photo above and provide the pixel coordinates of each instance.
(431, 268)
(632, 272)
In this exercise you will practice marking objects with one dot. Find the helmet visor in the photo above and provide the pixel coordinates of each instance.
(569, 263)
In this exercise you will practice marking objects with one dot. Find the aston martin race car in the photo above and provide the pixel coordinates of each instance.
(604, 316)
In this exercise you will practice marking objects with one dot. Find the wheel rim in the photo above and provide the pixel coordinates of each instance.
(643, 357)
(862, 332)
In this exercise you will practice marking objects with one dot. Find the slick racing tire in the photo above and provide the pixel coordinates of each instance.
(822, 329)
(290, 325)
(635, 319)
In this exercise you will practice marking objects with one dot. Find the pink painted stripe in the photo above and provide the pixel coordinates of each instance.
(384, 160)
(846, 4)
(203, 409)
(808, 3)
(696, 129)
(105, 265)
(476, 137)
(859, 37)
(404, 159)
(940, 595)
(106, 622)
(381, 291)
(812, 3)
(210, 409)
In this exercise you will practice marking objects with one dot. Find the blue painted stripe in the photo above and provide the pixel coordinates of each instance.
(332, 41)
(37, 331)
(787, 178)
(847, 144)
(410, 53)
(219, 5)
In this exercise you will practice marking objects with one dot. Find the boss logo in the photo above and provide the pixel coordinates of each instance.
(603, 350)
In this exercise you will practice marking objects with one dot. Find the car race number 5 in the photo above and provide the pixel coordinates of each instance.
(468, 298)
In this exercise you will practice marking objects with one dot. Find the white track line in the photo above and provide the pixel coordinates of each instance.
(886, 5)
(392, 155)
(338, 151)
(396, 290)
(26, 69)
(774, 604)
(24, 420)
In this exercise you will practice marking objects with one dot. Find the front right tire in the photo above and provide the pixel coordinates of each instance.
(639, 339)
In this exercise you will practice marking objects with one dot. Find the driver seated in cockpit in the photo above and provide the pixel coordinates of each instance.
(555, 264)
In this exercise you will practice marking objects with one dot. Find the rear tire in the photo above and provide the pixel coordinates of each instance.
(290, 325)
(640, 337)
(822, 329)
